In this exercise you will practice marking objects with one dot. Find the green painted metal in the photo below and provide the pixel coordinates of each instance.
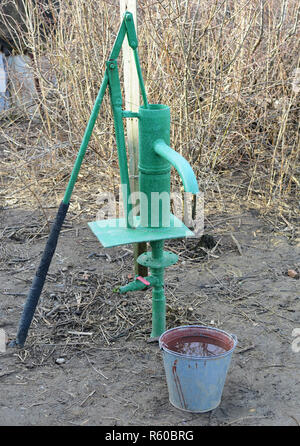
(116, 104)
(119, 41)
(126, 27)
(85, 140)
(133, 43)
(155, 160)
(167, 259)
(136, 285)
(155, 223)
(154, 171)
(141, 82)
(181, 165)
(113, 232)
(129, 114)
(131, 32)
(158, 295)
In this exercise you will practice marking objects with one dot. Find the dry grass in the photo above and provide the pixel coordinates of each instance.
(226, 69)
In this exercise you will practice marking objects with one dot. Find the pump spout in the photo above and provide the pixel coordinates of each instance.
(181, 165)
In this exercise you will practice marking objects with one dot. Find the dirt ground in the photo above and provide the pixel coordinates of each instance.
(87, 360)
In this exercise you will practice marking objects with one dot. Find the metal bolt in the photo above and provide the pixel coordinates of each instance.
(112, 66)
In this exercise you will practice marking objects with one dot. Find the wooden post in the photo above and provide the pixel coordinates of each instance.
(132, 102)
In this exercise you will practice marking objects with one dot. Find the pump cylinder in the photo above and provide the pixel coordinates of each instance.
(154, 171)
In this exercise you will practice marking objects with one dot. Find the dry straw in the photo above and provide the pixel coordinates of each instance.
(226, 68)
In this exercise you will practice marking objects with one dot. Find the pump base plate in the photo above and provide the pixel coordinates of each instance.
(113, 232)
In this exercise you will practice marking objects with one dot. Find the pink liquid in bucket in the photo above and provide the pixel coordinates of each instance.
(197, 346)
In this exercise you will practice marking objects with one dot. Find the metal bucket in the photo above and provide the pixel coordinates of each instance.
(196, 360)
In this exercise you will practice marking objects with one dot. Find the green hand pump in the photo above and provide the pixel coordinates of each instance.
(155, 222)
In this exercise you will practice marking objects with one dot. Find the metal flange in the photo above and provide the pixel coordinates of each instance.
(167, 259)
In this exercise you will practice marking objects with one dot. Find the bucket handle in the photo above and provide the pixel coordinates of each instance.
(234, 337)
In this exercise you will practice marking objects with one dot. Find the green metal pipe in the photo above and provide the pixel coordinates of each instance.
(118, 42)
(158, 295)
(157, 249)
(181, 165)
(158, 306)
(136, 285)
(116, 104)
(85, 140)
(133, 43)
(140, 76)
(154, 171)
